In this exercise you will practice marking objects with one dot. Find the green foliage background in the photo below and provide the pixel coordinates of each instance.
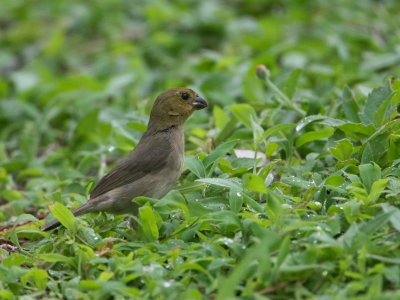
(310, 211)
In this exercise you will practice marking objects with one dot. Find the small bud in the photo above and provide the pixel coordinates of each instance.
(262, 72)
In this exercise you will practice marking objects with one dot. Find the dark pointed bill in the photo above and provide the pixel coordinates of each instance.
(199, 103)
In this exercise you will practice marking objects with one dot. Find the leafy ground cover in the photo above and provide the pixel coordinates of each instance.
(291, 183)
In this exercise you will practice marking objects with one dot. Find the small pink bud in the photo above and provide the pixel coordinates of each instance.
(262, 72)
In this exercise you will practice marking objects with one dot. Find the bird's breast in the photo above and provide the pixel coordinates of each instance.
(170, 173)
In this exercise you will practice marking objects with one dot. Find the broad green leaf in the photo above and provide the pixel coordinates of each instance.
(379, 138)
(357, 131)
(90, 285)
(195, 165)
(377, 189)
(228, 183)
(220, 117)
(384, 112)
(358, 191)
(88, 123)
(235, 200)
(323, 120)
(39, 278)
(351, 211)
(149, 222)
(283, 252)
(276, 129)
(369, 173)
(257, 131)
(289, 87)
(395, 216)
(12, 195)
(253, 90)
(273, 206)
(295, 181)
(189, 187)
(254, 183)
(373, 103)
(271, 148)
(334, 180)
(253, 203)
(218, 152)
(63, 214)
(105, 276)
(15, 259)
(228, 286)
(367, 154)
(243, 112)
(314, 135)
(343, 149)
(350, 107)
(14, 236)
(227, 221)
(376, 223)
(54, 257)
(308, 120)
(7, 295)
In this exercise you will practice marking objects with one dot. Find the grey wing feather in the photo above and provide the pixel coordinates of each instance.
(142, 160)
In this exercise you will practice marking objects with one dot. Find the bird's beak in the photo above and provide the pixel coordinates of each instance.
(199, 103)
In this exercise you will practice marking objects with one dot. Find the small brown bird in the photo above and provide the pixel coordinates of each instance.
(154, 165)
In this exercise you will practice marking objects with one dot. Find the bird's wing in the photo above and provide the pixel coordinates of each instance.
(142, 161)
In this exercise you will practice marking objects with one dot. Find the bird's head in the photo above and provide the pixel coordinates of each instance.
(174, 106)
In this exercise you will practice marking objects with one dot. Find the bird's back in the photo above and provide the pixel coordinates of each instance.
(150, 170)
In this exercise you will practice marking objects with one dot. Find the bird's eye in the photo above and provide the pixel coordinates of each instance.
(185, 96)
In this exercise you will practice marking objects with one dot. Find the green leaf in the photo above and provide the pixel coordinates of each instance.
(228, 286)
(54, 257)
(350, 107)
(334, 180)
(15, 259)
(276, 129)
(395, 216)
(63, 214)
(243, 113)
(375, 99)
(376, 223)
(220, 117)
(218, 152)
(228, 183)
(384, 112)
(377, 189)
(227, 221)
(323, 120)
(314, 135)
(90, 285)
(39, 277)
(271, 149)
(298, 182)
(367, 154)
(12, 195)
(357, 131)
(149, 223)
(343, 149)
(254, 183)
(194, 164)
(289, 87)
(283, 252)
(88, 123)
(235, 200)
(252, 203)
(369, 173)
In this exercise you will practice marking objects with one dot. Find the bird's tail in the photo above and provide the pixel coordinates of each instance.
(83, 209)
